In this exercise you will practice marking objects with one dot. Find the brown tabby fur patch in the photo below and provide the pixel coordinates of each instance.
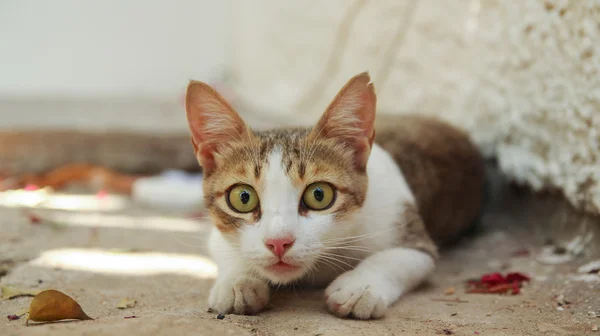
(443, 168)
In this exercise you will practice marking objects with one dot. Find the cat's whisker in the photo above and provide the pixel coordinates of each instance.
(333, 259)
(277, 288)
(337, 267)
(312, 269)
(355, 239)
(352, 239)
(342, 256)
(295, 291)
(350, 248)
(334, 267)
(359, 236)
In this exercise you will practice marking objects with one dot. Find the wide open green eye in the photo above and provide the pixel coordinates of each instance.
(318, 196)
(242, 198)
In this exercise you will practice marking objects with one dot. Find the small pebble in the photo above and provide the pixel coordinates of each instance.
(594, 328)
(221, 316)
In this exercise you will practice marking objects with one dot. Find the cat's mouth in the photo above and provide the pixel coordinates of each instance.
(282, 267)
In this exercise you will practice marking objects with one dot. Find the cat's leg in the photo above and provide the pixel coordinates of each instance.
(378, 281)
(236, 290)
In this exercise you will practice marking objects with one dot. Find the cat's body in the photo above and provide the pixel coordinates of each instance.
(443, 168)
(332, 206)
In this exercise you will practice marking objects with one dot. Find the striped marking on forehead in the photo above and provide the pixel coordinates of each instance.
(292, 146)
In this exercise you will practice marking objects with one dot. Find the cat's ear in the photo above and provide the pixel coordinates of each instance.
(350, 118)
(213, 123)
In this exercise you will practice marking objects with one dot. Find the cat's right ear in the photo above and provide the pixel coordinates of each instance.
(350, 118)
(213, 123)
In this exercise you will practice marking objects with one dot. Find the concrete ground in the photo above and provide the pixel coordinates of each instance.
(104, 249)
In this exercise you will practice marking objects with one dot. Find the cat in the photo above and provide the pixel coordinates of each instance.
(338, 205)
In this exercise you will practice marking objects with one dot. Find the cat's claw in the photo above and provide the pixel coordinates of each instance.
(243, 296)
(357, 296)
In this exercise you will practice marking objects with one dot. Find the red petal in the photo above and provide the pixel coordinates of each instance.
(515, 288)
(497, 283)
(501, 288)
(511, 277)
(493, 278)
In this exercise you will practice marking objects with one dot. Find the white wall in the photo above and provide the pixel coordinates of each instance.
(111, 48)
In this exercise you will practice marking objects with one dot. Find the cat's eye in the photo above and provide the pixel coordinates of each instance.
(242, 198)
(318, 196)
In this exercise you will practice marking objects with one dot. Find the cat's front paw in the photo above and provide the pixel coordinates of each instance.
(357, 295)
(244, 295)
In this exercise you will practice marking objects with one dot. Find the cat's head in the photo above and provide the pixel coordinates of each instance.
(282, 197)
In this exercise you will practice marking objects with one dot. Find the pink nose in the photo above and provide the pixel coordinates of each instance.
(280, 245)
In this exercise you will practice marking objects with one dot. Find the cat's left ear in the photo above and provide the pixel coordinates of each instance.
(350, 118)
(213, 123)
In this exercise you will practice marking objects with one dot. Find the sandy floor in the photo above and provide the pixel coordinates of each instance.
(98, 258)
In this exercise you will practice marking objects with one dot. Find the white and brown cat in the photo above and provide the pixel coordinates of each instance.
(339, 204)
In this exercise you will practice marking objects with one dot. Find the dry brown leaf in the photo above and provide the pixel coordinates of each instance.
(126, 303)
(11, 292)
(52, 305)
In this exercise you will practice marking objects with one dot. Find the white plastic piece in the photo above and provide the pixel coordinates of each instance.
(172, 189)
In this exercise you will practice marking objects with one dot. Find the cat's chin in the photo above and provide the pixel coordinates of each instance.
(282, 273)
